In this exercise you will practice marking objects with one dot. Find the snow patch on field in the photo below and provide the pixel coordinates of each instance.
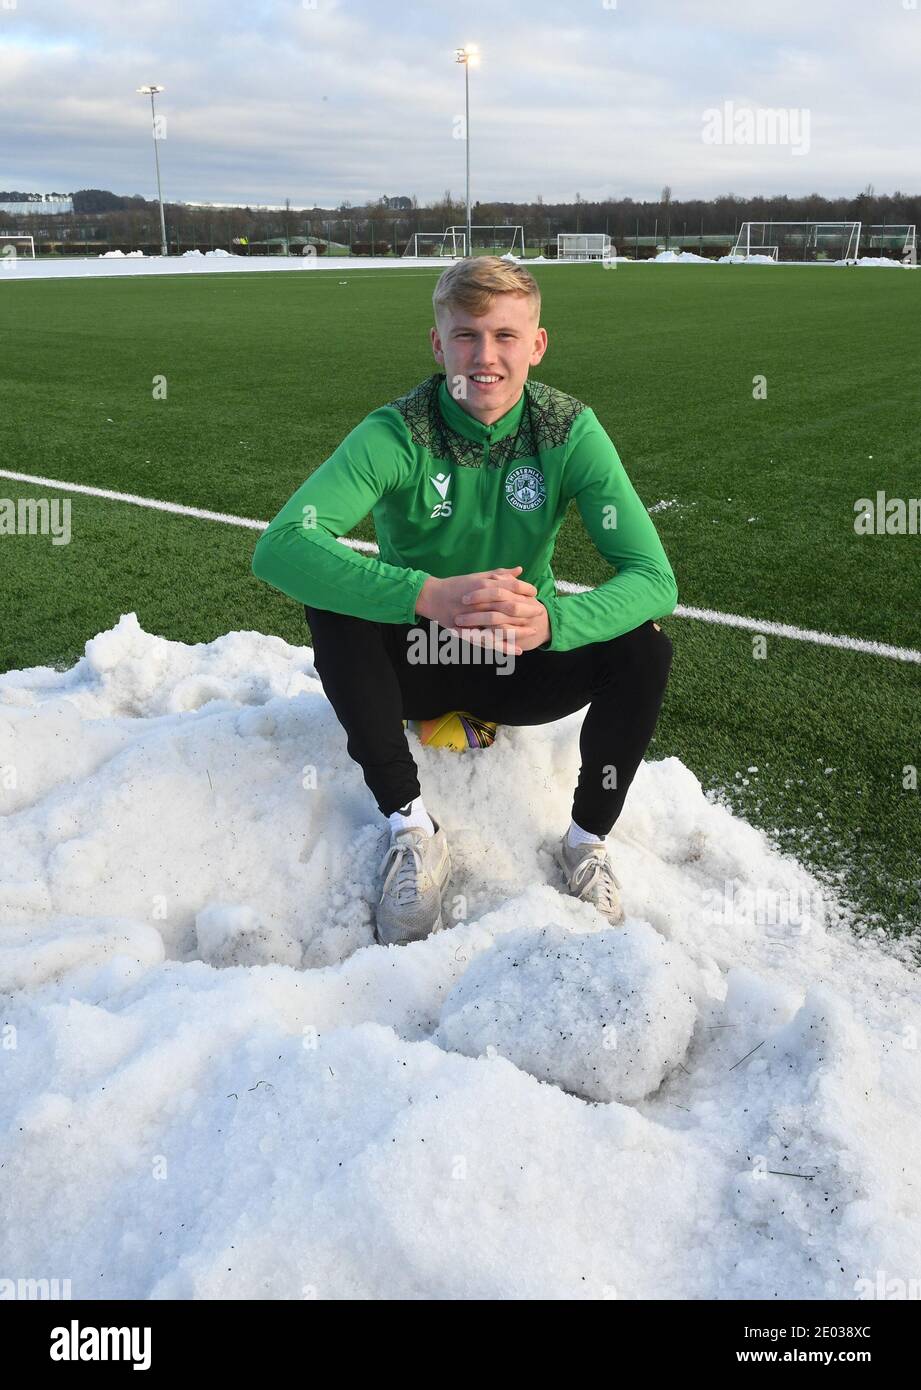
(679, 258)
(880, 262)
(136, 263)
(216, 1085)
(755, 259)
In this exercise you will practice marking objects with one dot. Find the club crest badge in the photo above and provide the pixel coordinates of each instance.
(525, 489)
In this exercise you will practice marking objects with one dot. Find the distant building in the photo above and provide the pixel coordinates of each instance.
(38, 208)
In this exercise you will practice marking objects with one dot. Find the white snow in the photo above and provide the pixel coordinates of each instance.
(679, 258)
(216, 1085)
(606, 1015)
(117, 263)
(223, 262)
(879, 262)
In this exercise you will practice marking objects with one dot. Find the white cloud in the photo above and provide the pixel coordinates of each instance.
(351, 99)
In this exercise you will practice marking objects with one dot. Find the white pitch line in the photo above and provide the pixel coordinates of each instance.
(152, 502)
(763, 626)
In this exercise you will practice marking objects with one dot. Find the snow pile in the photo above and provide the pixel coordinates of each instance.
(192, 252)
(218, 251)
(755, 259)
(110, 255)
(605, 1015)
(216, 1085)
(883, 262)
(71, 267)
(679, 258)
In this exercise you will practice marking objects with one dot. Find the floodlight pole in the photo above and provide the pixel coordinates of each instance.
(151, 89)
(467, 143)
(469, 55)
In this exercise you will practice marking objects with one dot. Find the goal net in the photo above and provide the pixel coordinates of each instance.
(898, 241)
(772, 252)
(446, 243)
(492, 241)
(583, 246)
(13, 245)
(801, 242)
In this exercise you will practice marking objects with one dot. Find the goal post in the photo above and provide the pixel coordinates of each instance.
(898, 241)
(488, 240)
(493, 240)
(583, 246)
(447, 243)
(798, 242)
(13, 245)
(484, 240)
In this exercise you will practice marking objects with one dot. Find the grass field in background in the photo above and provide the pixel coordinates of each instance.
(267, 372)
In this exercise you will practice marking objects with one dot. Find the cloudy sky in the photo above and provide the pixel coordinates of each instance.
(327, 100)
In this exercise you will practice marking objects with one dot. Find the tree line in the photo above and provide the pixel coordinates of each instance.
(101, 216)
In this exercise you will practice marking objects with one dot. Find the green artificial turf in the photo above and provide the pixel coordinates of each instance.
(266, 372)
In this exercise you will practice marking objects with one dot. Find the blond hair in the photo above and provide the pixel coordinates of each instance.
(473, 284)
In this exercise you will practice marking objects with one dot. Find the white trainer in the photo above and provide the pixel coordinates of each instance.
(415, 872)
(590, 876)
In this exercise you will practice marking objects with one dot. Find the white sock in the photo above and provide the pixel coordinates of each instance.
(577, 836)
(413, 815)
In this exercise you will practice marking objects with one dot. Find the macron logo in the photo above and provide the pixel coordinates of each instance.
(441, 483)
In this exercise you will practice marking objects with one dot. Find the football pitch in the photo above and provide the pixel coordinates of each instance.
(752, 408)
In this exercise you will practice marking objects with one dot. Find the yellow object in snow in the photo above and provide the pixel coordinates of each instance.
(457, 730)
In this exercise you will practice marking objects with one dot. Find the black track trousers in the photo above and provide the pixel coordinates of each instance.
(373, 686)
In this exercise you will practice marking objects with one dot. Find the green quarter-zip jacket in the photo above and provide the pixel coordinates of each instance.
(450, 495)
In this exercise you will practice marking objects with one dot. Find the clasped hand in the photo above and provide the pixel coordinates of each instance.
(492, 608)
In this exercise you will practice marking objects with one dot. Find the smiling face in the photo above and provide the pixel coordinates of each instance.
(486, 357)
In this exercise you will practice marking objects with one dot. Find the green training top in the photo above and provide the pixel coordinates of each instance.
(450, 495)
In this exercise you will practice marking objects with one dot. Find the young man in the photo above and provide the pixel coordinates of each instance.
(468, 477)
